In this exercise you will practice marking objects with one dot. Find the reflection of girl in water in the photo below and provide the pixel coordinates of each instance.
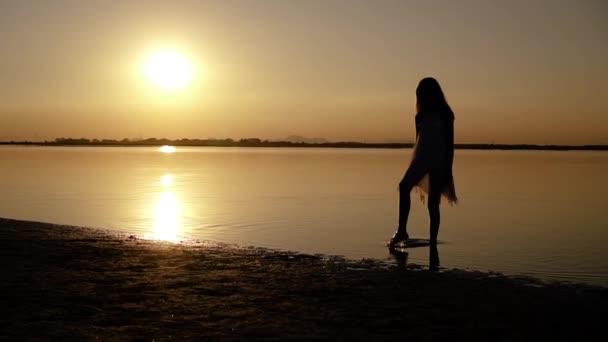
(431, 167)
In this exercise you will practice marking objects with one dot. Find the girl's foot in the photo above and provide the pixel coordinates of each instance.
(398, 237)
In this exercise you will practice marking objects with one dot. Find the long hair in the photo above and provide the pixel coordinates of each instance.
(430, 97)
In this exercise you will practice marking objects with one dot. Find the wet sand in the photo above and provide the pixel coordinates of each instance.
(74, 283)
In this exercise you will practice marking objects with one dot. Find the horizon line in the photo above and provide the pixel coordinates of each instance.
(257, 142)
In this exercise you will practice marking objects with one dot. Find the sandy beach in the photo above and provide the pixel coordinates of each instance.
(75, 283)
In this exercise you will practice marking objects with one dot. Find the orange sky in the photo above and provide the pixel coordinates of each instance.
(514, 72)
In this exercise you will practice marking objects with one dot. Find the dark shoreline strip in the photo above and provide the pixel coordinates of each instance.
(62, 282)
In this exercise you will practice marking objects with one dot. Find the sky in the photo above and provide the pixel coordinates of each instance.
(513, 71)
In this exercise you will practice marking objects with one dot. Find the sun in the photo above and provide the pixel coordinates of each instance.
(168, 70)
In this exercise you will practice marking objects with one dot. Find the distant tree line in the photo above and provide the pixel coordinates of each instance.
(245, 142)
(256, 142)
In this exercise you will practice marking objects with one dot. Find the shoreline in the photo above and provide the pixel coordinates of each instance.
(65, 282)
(341, 145)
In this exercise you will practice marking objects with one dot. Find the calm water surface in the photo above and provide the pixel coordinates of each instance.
(535, 213)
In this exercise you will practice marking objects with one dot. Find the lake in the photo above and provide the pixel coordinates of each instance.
(537, 213)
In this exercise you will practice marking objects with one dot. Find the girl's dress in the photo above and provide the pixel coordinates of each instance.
(431, 165)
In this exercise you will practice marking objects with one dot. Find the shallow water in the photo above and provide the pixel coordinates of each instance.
(534, 213)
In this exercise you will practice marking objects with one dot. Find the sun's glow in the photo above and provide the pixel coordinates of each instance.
(168, 70)
(167, 149)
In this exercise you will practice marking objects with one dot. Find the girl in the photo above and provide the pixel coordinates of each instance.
(431, 166)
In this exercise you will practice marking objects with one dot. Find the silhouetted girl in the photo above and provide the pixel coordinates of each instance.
(431, 166)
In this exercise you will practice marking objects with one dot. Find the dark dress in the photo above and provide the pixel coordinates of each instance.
(431, 167)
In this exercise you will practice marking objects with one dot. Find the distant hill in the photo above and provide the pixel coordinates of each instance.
(300, 139)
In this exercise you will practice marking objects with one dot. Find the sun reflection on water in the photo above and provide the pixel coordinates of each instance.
(166, 213)
(167, 149)
(166, 180)
(166, 217)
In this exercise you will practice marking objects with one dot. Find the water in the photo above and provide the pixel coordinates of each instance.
(534, 213)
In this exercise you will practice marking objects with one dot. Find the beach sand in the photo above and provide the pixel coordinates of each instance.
(74, 283)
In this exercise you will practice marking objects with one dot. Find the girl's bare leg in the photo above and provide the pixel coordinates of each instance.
(434, 215)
